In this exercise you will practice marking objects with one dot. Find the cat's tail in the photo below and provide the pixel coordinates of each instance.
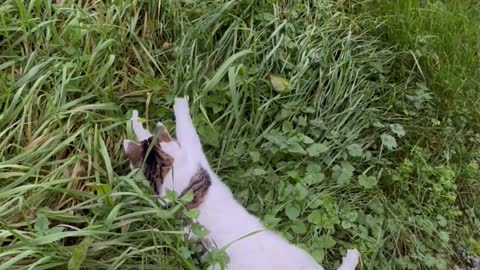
(351, 260)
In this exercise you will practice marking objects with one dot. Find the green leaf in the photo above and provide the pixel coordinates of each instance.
(198, 230)
(444, 236)
(367, 182)
(270, 221)
(378, 124)
(342, 174)
(349, 218)
(184, 252)
(171, 196)
(398, 130)
(389, 141)
(187, 197)
(192, 213)
(217, 257)
(298, 227)
(55, 229)
(314, 178)
(315, 217)
(350, 215)
(347, 224)
(316, 149)
(294, 175)
(79, 253)
(300, 192)
(108, 163)
(209, 135)
(259, 171)
(355, 150)
(442, 221)
(326, 241)
(315, 203)
(431, 261)
(377, 206)
(288, 127)
(296, 148)
(314, 168)
(32, 74)
(103, 190)
(41, 224)
(284, 114)
(292, 211)
(215, 80)
(255, 156)
(318, 254)
(279, 84)
(306, 139)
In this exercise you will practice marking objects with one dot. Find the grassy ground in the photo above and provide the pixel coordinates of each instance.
(340, 123)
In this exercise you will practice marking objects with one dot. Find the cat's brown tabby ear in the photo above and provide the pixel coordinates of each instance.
(134, 153)
(162, 133)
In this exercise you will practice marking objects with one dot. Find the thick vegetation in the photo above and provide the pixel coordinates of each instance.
(340, 123)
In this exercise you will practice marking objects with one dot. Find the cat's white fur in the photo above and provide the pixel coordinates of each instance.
(251, 245)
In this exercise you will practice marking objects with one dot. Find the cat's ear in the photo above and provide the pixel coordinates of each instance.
(167, 143)
(162, 133)
(134, 153)
(140, 132)
(172, 149)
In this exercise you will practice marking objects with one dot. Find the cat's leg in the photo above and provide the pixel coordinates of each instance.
(350, 260)
(185, 131)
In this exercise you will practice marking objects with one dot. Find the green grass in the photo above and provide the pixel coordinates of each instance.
(350, 124)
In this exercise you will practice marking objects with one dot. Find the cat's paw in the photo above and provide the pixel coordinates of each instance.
(134, 116)
(181, 105)
(352, 257)
(162, 133)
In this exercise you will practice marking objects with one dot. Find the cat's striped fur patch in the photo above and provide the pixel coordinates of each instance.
(199, 185)
(156, 164)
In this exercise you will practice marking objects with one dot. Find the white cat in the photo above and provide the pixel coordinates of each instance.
(250, 245)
